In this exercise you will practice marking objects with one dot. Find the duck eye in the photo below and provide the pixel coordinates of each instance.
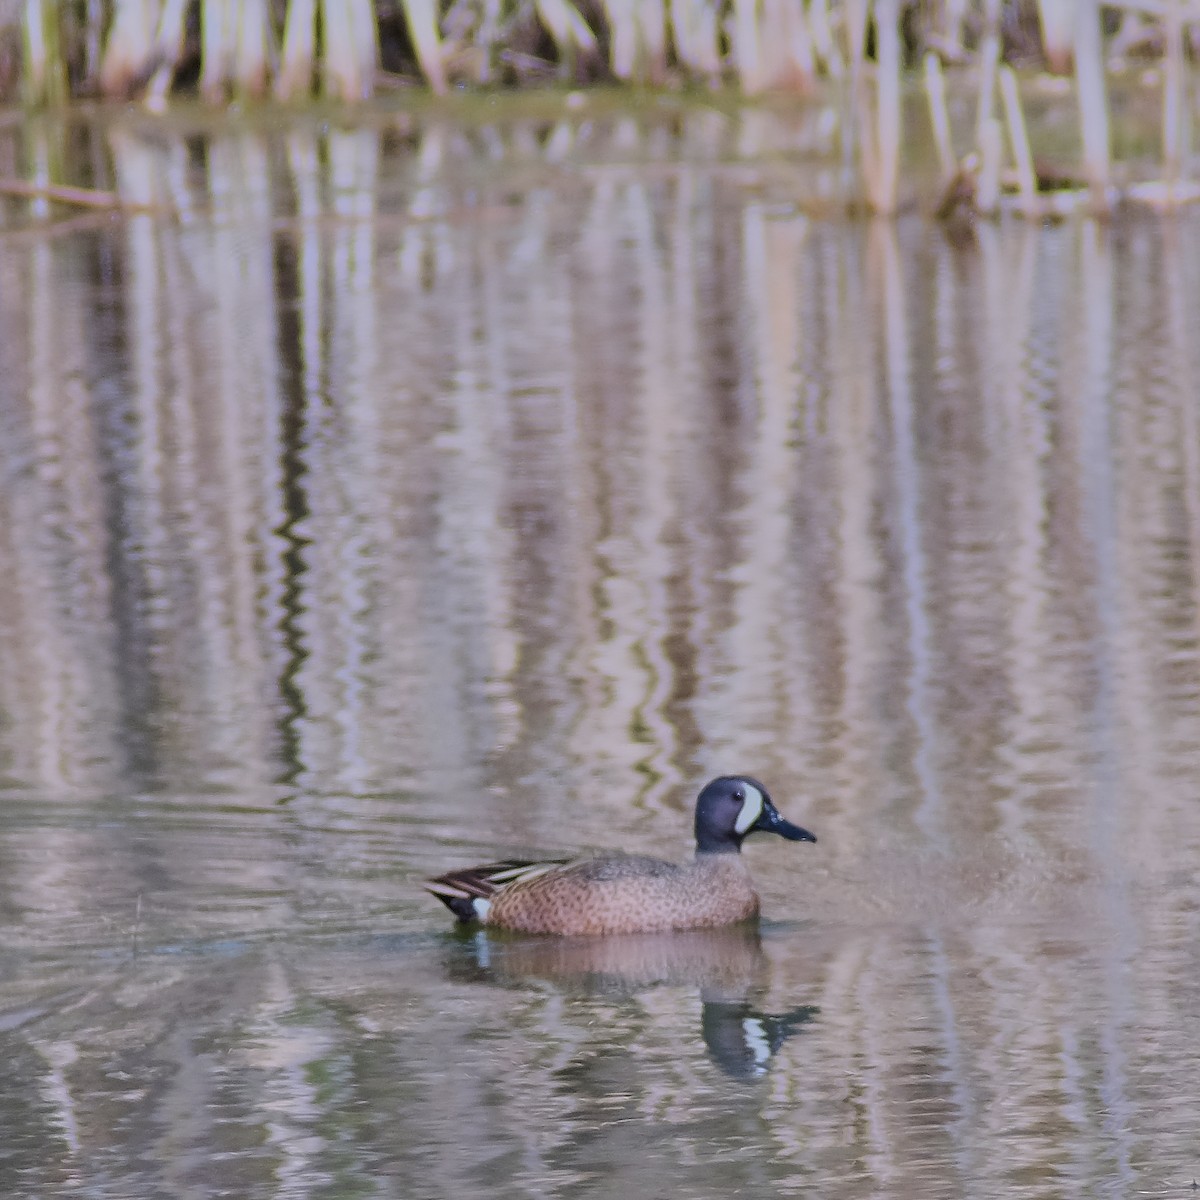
(739, 796)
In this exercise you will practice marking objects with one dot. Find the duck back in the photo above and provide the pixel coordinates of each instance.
(628, 894)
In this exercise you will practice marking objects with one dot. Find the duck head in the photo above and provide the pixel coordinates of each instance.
(732, 807)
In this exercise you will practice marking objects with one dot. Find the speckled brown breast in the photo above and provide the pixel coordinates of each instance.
(628, 894)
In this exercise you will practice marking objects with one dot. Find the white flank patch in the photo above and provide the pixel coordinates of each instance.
(481, 908)
(751, 809)
(757, 1043)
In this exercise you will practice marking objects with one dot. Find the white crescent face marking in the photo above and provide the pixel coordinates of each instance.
(751, 809)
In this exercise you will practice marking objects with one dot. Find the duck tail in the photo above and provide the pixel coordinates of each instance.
(468, 893)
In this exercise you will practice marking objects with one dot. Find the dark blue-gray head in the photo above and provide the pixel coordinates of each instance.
(731, 808)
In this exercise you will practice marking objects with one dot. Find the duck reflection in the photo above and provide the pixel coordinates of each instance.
(727, 965)
(742, 1039)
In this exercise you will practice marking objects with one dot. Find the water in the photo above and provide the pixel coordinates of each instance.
(421, 493)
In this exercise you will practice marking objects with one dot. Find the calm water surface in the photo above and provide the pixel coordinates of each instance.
(424, 493)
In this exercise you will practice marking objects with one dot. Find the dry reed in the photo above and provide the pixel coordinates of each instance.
(939, 117)
(1093, 100)
(1018, 138)
(296, 49)
(243, 46)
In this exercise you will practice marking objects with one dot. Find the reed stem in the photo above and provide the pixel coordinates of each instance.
(129, 52)
(251, 70)
(823, 42)
(422, 18)
(44, 79)
(989, 60)
(887, 62)
(216, 26)
(987, 189)
(1093, 100)
(76, 197)
(297, 61)
(747, 51)
(1173, 145)
(169, 46)
(1056, 18)
(939, 117)
(1018, 137)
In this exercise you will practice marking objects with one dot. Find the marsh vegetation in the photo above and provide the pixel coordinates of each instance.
(856, 57)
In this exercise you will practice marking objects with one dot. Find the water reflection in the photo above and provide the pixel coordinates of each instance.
(727, 967)
(426, 494)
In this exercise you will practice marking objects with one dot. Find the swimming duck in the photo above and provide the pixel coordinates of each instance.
(630, 893)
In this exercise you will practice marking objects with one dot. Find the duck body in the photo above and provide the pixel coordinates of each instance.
(629, 893)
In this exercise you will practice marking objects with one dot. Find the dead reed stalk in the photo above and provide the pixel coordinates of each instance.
(44, 77)
(939, 117)
(1093, 101)
(1018, 138)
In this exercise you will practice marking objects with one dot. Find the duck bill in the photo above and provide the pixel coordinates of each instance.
(772, 821)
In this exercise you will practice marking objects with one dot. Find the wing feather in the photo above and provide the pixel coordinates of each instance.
(459, 890)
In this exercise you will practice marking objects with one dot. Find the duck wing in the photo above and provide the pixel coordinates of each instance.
(458, 890)
(605, 868)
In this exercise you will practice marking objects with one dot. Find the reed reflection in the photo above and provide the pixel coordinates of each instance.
(394, 509)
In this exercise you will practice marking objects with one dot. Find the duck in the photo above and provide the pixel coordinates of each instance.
(615, 893)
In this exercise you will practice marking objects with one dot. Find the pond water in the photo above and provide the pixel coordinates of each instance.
(417, 494)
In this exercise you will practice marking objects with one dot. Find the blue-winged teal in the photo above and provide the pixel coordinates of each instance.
(626, 893)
